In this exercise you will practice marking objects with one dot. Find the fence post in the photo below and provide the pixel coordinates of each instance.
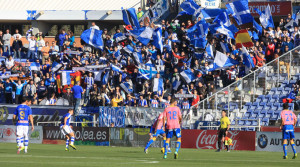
(254, 84)
(290, 64)
(278, 71)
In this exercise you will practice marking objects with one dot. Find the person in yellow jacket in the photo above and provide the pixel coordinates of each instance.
(223, 130)
(116, 100)
(140, 13)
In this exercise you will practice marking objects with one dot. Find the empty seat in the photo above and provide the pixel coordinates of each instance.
(274, 116)
(269, 114)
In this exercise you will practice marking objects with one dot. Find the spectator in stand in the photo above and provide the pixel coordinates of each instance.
(17, 47)
(42, 91)
(71, 38)
(19, 90)
(117, 99)
(77, 91)
(31, 53)
(69, 97)
(196, 98)
(94, 95)
(53, 100)
(94, 26)
(17, 34)
(140, 13)
(6, 45)
(54, 49)
(40, 44)
(45, 52)
(1, 43)
(61, 39)
(8, 85)
(142, 101)
(10, 62)
(270, 51)
(30, 89)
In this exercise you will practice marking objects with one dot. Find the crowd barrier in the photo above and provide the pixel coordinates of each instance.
(138, 137)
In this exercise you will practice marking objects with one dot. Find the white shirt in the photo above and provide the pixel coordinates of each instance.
(15, 36)
(95, 27)
(40, 44)
(9, 63)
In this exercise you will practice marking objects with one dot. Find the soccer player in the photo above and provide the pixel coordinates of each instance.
(172, 117)
(23, 114)
(66, 129)
(157, 129)
(223, 130)
(288, 122)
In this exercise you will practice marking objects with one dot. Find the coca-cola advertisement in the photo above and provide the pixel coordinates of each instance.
(208, 139)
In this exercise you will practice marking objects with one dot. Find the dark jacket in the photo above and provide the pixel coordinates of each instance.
(17, 44)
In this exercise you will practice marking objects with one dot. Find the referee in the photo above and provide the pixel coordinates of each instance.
(223, 129)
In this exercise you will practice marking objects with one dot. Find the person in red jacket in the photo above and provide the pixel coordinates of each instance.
(196, 98)
(270, 49)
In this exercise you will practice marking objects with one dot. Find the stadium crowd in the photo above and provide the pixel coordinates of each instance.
(45, 87)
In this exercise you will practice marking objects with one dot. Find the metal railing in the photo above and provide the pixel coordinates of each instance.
(247, 89)
(56, 123)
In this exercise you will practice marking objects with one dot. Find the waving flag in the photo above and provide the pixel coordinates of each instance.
(157, 39)
(93, 37)
(116, 68)
(199, 42)
(66, 77)
(223, 19)
(225, 47)
(55, 66)
(130, 17)
(222, 61)
(188, 75)
(119, 37)
(125, 86)
(265, 17)
(158, 85)
(242, 37)
(211, 13)
(257, 27)
(228, 31)
(105, 78)
(176, 84)
(143, 34)
(35, 66)
(148, 72)
(209, 50)
(240, 11)
(190, 7)
(201, 27)
(290, 25)
(248, 61)
(182, 13)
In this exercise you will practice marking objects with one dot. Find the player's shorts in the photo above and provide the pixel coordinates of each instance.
(222, 133)
(22, 131)
(66, 130)
(288, 132)
(172, 132)
(158, 132)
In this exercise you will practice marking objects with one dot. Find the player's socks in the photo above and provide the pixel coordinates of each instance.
(219, 144)
(164, 140)
(150, 142)
(67, 143)
(72, 140)
(166, 147)
(178, 144)
(285, 149)
(293, 147)
(26, 143)
(18, 141)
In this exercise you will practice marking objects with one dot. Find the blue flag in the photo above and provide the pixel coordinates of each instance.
(199, 42)
(211, 13)
(201, 27)
(105, 78)
(157, 39)
(223, 19)
(265, 17)
(257, 27)
(188, 75)
(247, 60)
(228, 31)
(93, 37)
(158, 85)
(222, 61)
(190, 6)
(143, 34)
(240, 11)
(130, 17)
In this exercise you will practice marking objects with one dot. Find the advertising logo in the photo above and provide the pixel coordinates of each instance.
(262, 141)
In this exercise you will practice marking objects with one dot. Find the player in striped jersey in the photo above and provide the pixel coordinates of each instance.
(66, 129)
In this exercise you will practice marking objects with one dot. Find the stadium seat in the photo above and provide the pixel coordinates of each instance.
(265, 122)
(262, 114)
(275, 116)
(291, 106)
(269, 114)
(272, 91)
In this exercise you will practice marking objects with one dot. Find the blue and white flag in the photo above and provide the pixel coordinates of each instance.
(247, 60)
(116, 68)
(55, 66)
(157, 39)
(105, 77)
(130, 17)
(66, 77)
(190, 6)
(199, 42)
(209, 51)
(255, 36)
(257, 27)
(128, 49)
(158, 85)
(118, 37)
(188, 75)
(290, 25)
(117, 55)
(176, 84)
(138, 57)
(93, 37)
(199, 55)
(240, 11)
(222, 61)
(228, 31)
(223, 19)
(182, 13)
(143, 34)
(224, 47)
(35, 66)
(148, 72)
(125, 86)
(201, 27)
(265, 17)
(211, 13)
(143, 74)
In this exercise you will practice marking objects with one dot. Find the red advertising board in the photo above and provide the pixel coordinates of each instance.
(278, 8)
(274, 129)
(208, 139)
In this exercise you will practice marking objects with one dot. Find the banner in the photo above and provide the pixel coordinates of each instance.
(83, 135)
(210, 4)
(141, 116)
(40, 114)
(208, 139)
(160, 8)
(278, 8)
(109, 116)
(184, 95)
(272, 141)
(8, 134)
(134, 137)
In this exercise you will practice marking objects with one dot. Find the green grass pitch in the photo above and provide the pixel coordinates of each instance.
(40, 155)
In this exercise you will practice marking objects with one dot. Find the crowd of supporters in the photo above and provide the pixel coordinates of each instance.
(45, 88)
